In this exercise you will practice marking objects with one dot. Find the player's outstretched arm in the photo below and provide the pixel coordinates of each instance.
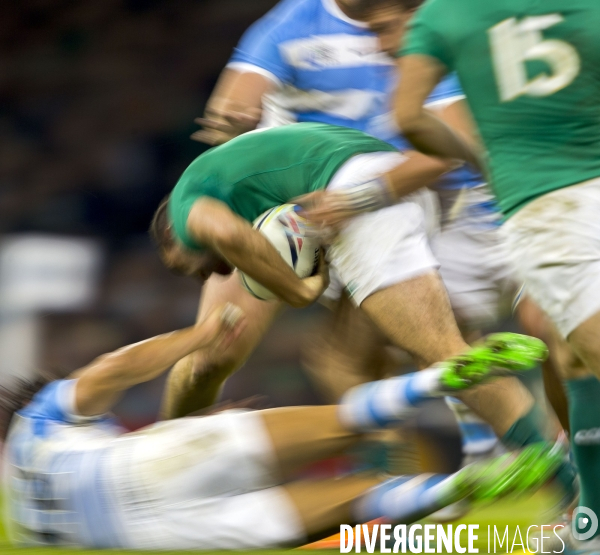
(234, 107)
(100, 384)
(213, 224)
(428, 133)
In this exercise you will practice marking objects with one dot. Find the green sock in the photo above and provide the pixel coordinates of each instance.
(584, 416)
(525, 431)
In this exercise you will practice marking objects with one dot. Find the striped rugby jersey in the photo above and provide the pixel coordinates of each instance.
(328, 69)
(55, 468)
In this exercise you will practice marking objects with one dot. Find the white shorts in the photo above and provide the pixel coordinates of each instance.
(474, 260)
(554, 243)
(379, 249)
(202, 483)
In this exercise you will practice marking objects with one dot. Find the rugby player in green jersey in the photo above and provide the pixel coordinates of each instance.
(382, 255)
(531, 73)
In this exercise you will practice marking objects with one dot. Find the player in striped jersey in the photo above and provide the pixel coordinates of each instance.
(73, 478)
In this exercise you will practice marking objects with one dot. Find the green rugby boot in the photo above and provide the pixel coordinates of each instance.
(513, 473)
(519, 472)
(499, 354)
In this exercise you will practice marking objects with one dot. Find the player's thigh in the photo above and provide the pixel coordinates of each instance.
(257, 520)
(219, 290)
(555, 249)
(183, 482)
(416, 315)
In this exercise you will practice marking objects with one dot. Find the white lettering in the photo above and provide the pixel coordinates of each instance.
(346, 538)
(457, 546)
(517, 533)
(400, 537)
(444, 537)
(473, 538)
(384, 536)
(534, 539)
(370, 538)
(418, 546)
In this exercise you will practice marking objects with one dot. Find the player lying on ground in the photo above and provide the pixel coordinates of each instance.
(72, 477)
(530, 72)
(382, 257)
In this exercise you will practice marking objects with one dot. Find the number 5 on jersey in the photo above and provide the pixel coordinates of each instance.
(515, 42)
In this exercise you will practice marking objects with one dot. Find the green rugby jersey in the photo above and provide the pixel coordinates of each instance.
(266, 168)
(531, 73)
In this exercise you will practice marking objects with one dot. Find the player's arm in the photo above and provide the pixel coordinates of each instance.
(213, 224)
(425, 130)
(234, 107)
(255, 69)
(100, 384)
(332, 208)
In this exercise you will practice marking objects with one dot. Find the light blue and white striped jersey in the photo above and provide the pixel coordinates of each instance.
(329, 69)
(55, 469)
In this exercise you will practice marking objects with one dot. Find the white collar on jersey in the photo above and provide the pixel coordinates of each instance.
(332, 7)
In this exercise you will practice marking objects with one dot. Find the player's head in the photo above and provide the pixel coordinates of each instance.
(179, 259)
(18, 396)
(386, 18)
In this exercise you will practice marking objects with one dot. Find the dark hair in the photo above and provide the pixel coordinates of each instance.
(360, 8)
(16, 397)
(159, 227)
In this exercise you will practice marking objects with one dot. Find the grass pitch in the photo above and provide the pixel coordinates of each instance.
(511, 513)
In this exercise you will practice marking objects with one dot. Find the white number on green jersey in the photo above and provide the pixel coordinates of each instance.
(516, 42)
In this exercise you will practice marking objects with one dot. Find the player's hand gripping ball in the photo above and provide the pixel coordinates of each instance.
(286, 230)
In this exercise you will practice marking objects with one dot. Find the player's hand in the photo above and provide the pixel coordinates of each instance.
(222, 327)
(222, 125)
(331, 210)
(314, 286)
(317, 227)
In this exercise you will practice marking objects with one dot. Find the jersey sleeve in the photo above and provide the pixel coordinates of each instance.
(259, 51)
(56, 402)
(425, 35)
(447, 91)
(182, 199)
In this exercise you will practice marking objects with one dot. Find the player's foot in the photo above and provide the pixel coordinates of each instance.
(498, 354)
(519, 472)
(461, 508)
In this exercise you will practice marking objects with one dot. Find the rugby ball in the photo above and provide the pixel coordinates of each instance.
(285, 230)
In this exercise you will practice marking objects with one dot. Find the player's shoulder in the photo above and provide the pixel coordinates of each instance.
(54, 402)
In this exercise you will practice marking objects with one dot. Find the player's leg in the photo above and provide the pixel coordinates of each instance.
(475, 270)
(555, 242)
(535, 323)
(230, 498)
(194, 382)
(385, 262)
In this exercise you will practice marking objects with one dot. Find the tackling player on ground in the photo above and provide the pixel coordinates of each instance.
(73, 478)
(530, 72)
